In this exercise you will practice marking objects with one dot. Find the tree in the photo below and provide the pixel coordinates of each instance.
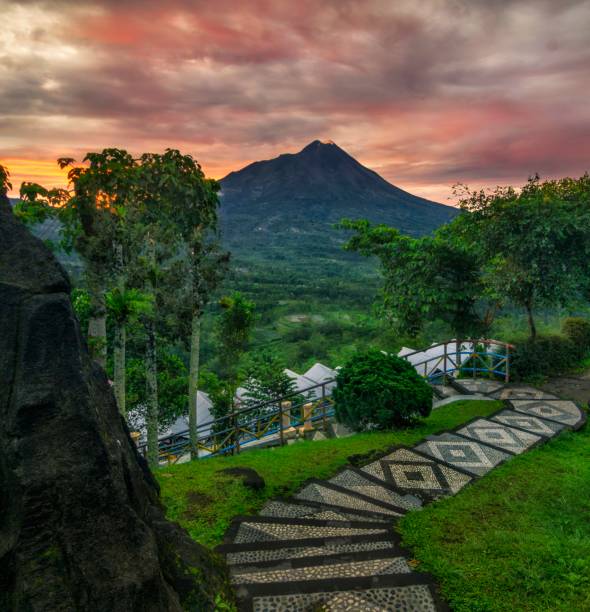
(5, 184)
(189, 202)
(424, 278)
(124, 306)
(265, 379)
(534, 242)
(233, 333)
(92, 211)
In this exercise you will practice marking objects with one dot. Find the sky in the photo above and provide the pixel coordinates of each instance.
(426, 93)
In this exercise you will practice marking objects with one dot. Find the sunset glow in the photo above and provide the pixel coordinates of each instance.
(427, 94)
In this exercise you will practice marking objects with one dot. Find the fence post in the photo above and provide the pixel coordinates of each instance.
(307, 410)
(474, 359)
(324, 419)
(237, 433)
(507, 374)
(445, 366)
(281, 436)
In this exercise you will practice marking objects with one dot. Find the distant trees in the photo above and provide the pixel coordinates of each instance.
(526, 247)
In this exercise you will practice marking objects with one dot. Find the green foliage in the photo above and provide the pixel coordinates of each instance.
(172, 387)
(265, 378)
(518, 539)
(5, 184)
(82, 307)
(376, 390)
(544, 356)
(233, 332)
(204, 500)
(424, 278)
(577, 329)
(534, 242)
(125, 305)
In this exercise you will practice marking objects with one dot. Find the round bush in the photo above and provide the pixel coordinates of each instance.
(379, 391)
(577, 330)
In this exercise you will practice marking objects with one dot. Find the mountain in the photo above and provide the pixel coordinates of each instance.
(293, 201)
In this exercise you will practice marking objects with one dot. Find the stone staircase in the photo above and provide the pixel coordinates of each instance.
(333, 545)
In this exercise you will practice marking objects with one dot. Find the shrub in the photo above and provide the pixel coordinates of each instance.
(544, 356)
(379, 391)
(577, 330)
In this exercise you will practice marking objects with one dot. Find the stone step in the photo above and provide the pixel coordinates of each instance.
(564, 412)
(481, 386)
(527, 422)
(499, 436)
(271, 553)
(320, 568)
(508, 392)
(295, 509)
(329, 493)
(417, 474)
(462, 454)
(392, 592)
(272, 529)
(356, 481)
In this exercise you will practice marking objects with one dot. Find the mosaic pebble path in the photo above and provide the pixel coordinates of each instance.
(332, 546)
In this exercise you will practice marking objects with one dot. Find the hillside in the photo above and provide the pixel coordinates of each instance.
(292, 202)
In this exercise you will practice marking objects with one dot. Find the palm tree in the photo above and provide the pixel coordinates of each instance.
(124, 306)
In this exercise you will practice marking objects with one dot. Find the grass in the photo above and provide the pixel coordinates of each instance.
(203, 500)
(519, 539)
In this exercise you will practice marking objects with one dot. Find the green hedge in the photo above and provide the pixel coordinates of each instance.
(577, 330)
(379, 391)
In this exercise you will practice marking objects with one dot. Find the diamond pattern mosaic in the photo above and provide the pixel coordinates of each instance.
(528, 422)
(470, 455)
(268, 532)
(415, 598)
(440, 465)
(295, 552)
(357, 483)
(318, 493)
(562, 411)
(521, 392)
(499, 435)
(477, 385)
(415, 474)
(371, 567)
(282, 509)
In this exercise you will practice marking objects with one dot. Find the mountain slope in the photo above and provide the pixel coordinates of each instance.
(294, 200)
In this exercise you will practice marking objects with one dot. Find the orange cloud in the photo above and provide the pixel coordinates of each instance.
(44, 172)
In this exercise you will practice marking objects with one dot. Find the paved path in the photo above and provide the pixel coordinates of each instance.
(332, 546)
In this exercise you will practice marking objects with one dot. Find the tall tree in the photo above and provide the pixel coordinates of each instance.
(189, 202)
(92, 211)
(124, 306)
(534, 241)
(424, 278)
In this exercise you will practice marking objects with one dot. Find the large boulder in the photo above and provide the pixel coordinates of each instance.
(81, 526)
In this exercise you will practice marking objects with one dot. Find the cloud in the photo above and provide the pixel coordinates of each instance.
(426, 93)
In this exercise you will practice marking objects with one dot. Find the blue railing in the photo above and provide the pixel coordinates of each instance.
(275, 421)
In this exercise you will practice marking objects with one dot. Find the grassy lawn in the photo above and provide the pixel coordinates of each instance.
(204, 501)
(519, 539)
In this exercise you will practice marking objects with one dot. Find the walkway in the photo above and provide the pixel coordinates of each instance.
(332, 547)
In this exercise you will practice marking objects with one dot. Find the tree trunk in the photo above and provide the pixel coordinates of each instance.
(193, 382)
(97, 325)
(119, 369)
(532, 327)
(151, 377)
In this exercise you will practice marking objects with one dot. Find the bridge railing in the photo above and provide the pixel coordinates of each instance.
(277, 420)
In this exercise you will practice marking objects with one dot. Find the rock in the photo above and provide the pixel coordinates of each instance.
(250, 478)
(81, 525)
